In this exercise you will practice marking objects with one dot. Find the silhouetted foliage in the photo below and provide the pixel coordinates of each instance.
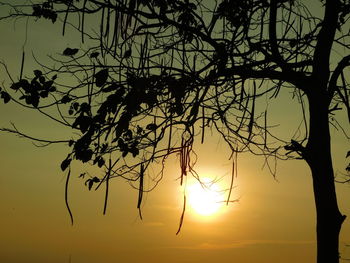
(156, 73)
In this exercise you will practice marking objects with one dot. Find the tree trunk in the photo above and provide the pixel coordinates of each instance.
(318, 157)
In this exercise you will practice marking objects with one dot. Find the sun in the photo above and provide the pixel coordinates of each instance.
(205, 198)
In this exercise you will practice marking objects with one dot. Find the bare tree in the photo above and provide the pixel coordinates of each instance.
(154, 74)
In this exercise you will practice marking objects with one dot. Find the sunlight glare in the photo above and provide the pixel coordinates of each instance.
(205, 199)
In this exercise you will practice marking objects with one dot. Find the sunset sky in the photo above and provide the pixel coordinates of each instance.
(272, 221)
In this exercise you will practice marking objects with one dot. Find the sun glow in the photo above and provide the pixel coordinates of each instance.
(205, 198)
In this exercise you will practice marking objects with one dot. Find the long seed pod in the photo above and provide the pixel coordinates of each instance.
(116, 30)
(231, 183)
(22, 65)
(107, 21)
(170, 132)
(182, 215)
(101, 31)
(242, 94)
(83, 21)
(139, 201)
(66, 197)
(66, 18)
(203, 124)
(345, 97)
(265, 129)
(182, 161)
(107, 186)
(251, 121)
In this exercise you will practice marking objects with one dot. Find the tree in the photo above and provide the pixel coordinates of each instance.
(154, 74)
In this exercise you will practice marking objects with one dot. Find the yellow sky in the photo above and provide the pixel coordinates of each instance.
(274, 220)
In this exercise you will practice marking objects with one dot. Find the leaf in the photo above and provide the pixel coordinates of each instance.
(65, 163)
(28, 100)
(96, 179)
(75, 106)
(15, 86)
(96, 160)
(83, 122)
(24, 84)
(192, 6)
(37, 73)
(348, 154)
(151, 98)
(52, 89)
(5, 96)
(151, 126)
(91, 182)
(127, 53)
(122, 144)
(94, 54)
(47, 84)
(36, 10)
(135, 151)
(85, 108)
(84, 155)
(100, 162)
(44, 94)
(293, 43)
(178, 108)
(65, 99)
(127, 135)
(114, 86)
(53, 17)
(194, 110)
(139, 130)
(104, 147)
(35, 85)
(34, 99)
(122, 124)
(70, 51)
(42, 79)
(101, 77)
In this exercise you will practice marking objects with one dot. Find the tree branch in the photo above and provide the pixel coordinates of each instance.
(325, 40)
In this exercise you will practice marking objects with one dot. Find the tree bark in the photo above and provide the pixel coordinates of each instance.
(318, 157)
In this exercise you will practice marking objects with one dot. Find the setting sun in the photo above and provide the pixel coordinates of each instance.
(205, 197)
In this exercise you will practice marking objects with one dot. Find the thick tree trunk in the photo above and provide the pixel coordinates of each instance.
(318, 156)
(318, 149)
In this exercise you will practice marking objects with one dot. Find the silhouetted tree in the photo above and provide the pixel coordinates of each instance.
(156, 73)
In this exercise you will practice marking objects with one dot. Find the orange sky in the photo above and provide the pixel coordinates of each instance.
(274, 221)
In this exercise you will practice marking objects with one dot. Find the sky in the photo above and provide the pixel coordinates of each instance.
(273, 221)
